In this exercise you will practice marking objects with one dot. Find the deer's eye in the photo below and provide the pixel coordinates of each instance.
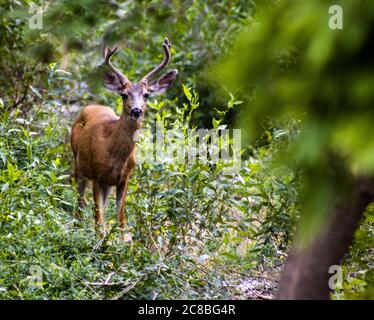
(146, 95)
(124, 96)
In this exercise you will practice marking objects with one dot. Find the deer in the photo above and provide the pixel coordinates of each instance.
(103, 143)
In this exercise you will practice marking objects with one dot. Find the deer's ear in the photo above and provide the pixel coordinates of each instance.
(163, 83)
(111, 82)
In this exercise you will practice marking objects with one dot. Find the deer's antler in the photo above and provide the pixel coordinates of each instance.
(167, 56)
(108, 53)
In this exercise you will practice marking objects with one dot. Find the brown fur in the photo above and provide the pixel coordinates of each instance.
(104, 152)
(103, 145)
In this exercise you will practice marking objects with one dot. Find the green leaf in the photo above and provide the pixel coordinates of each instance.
(187, 92)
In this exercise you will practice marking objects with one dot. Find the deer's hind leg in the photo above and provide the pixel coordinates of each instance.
(82, 184)
(105, 192)
(81, 187)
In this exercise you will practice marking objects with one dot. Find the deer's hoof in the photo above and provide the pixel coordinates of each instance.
(127, 237)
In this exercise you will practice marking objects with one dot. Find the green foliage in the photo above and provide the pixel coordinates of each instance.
(296, 67)
(358, 273)
(200, 33)
(189, 221)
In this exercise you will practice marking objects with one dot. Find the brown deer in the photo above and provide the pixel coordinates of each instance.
(103, 143)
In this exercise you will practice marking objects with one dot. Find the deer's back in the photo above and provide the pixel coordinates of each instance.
(90, 121)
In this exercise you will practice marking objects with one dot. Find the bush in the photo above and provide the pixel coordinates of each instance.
(190, 222)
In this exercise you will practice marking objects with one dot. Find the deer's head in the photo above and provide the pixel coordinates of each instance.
(135, 94)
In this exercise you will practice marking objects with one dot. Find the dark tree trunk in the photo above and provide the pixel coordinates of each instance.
(306, 273)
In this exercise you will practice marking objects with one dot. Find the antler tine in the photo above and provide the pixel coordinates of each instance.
(167, 56)
(108, 53)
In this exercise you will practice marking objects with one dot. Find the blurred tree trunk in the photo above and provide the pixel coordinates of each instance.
(306, 273)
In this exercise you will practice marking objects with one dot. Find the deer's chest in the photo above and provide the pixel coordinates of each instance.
(113, 172)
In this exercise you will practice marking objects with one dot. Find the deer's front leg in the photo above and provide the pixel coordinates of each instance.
(98, 195)
(121, 208)
(121, 202)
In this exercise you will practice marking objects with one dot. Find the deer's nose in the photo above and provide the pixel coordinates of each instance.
(136, 112)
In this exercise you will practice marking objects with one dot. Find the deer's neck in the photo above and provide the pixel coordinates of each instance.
(123, 137)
